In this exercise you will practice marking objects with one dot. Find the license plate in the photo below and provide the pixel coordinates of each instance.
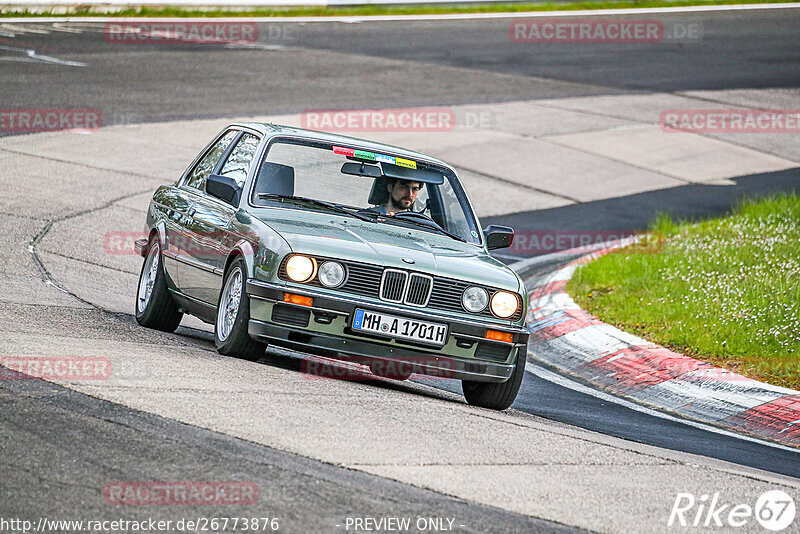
(400, 327)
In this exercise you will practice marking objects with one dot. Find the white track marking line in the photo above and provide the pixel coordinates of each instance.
(16, 59)
(452, 16)
(31, 53)
(63, 27)
(23, 30)
(256, 46)
(563, 381)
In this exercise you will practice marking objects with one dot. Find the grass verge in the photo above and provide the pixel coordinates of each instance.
(724, 290)
(371, 10)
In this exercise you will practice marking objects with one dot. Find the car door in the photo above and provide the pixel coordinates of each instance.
(192, 188)
(209, 236)
(172, 207)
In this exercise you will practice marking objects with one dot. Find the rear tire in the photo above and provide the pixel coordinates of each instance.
(233, 315)
(493, 395)
(154, 305)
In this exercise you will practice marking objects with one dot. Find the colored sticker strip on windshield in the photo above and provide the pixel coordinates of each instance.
(343, 151)
(363, 154)
(406, 163)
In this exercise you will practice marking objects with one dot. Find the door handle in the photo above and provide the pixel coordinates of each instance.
(191, 212)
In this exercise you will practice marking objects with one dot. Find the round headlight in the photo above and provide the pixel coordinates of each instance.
(474, 299)
(300, 268)
(504, 304)
(331, 274)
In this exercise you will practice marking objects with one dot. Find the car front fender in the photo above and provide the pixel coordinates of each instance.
(244, 249)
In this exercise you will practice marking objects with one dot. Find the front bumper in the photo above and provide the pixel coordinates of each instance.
(467, 354)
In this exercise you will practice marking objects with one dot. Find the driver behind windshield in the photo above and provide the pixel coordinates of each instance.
(402, 194)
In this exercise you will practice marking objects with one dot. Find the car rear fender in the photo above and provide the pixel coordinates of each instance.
(142, 246)
(161, 228)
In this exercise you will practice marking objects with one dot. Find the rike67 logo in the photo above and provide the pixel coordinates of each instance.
(774, 510)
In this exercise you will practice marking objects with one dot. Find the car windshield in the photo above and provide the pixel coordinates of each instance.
(306, 174)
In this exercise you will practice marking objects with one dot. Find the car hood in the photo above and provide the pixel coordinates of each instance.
(389, 245)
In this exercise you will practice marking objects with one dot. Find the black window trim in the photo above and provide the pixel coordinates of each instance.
(224, 159)
(185, 179)
(201, 193)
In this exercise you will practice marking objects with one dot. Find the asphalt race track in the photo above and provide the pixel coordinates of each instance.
(384, 64)
(561, 460)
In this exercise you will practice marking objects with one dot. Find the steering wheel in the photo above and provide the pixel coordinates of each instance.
(417, 216)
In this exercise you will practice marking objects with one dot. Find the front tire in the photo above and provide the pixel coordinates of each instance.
(496, 396)
(233, 314)
(154, 305)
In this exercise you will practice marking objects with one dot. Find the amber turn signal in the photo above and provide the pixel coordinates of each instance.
(499, 336)
(297, 299)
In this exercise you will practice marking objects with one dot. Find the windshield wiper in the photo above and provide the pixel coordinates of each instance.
(321, 203)
(422, 224)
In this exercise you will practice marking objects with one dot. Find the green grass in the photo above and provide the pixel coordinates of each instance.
(725, 290)
(370, 10)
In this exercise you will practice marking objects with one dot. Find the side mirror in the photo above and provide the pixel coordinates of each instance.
(223, 188)
(498, 236)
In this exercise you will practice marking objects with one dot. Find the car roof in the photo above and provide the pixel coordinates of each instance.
(269, 129)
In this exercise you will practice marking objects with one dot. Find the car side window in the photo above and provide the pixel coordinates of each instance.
(238, 162)
(197, 178)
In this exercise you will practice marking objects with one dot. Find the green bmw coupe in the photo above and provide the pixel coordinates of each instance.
(338, 247)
